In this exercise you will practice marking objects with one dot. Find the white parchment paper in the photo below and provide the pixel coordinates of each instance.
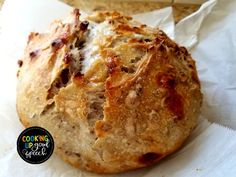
(209, 33)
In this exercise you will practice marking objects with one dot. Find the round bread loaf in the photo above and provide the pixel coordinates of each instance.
(115, 94)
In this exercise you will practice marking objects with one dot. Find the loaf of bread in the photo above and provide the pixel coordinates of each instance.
(115, 94)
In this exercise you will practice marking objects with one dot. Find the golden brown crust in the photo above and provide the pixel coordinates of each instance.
(115, 94)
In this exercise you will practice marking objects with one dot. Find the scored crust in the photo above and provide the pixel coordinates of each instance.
(115, 94)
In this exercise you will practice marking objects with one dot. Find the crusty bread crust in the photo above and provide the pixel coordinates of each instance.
(116, 95)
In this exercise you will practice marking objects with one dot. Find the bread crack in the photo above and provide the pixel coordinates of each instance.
(58, 83)
(47, 108)
(95, 110)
